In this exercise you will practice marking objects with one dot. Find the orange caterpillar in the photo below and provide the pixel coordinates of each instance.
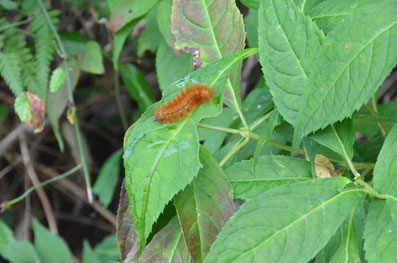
(187, 101)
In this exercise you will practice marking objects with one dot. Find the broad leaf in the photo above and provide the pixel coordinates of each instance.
(91, 58)
(170, 67)
(288, 43)
(204, 206)
(210, 30)
(270, 172)
(89, 256)
(354, 60)
(161, 159)
(108, 177)
(51, 248)
(119, 39)
(164, 20)
(381, 225)
(137, 86)
(167, 246)
(290, 223)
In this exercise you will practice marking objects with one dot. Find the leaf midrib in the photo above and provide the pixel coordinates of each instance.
(298, 220)
(332, 86)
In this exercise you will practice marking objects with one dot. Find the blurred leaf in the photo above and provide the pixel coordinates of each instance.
(381, 223)
(18, 251)
(91, 58)
(126, 235)
(270, 171)
(37, 110)
(126, 11)
(51, 248)
(251, 3)
(163, 158)
(251, 26)
(119, 39)
(89, 255)
(73, 42)
(107, 250)
(58, 77)
(170, 67)
(204, 206)
(137, 86)
(11, 71)
(22, 107)
(290, 223)
(149, 39)
(8, 4)
(164, 11)
(108, 177)
(4, 110)
(210, 30)
(167, 246)
(328, 138)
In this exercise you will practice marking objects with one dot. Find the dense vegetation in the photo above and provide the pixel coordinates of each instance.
(284, 152)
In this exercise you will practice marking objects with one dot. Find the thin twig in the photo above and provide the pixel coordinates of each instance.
(118, 100)
(36, 182)
(71, 101)
(77, 191)
(12, 137)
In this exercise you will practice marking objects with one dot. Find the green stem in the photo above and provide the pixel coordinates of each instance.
(20, 23)
(71, 101)
(372, 192)
(374, 113)
(7, 204)
(118, 100)
(235, 150)
(349, 162)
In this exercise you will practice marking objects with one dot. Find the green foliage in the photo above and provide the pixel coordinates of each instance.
(22, 107)
(91, 58)
(58, 77)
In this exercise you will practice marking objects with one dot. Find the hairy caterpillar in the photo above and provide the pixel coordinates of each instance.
(185, 102)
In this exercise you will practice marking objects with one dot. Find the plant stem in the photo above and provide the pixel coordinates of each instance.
(71, 101)
(20, 23)
(372, 192)
(235, 150)
(7, 204)
(118, 100)
(374, 113)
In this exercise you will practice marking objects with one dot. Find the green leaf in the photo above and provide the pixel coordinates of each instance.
(381, 225)
(11, 71)
(8, 4)
(161, 159)
(149, 39)
(137, 86)
(328, 138)
(170, 67)
(251, 3)
(164, 20)
(348, 249)
(22, 107)
(288, 43)
(127, 11)
(107, 250)
(91, 58)
(119, 39)
(58, 77)
(89, 255)
(167, 245)
(270, 171)
(353, 61)
(51, 248)
(251, 27)
(204, 206)
(125, 231)
(108, 176)
(290, 223)
(274, 121)
(210, 30)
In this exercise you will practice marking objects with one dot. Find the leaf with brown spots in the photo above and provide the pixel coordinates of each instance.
(204, 207)
(38, 112)
(210, 30)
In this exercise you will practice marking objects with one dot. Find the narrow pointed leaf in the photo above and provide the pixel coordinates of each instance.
(290, 223)
(270, 172)
(167, 246)
(288, 43)
(381, 224)
(161, 159)
(353, 61)
(204, 206)
(210, 30)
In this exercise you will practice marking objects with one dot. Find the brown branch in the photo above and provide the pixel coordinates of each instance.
(79, 192)
(35, 181)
